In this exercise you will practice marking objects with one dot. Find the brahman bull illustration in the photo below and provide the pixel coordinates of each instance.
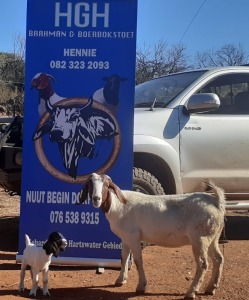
(75, 129)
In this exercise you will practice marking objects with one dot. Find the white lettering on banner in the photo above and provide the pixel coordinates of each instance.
(74, 217)
(35, 196)
(58, 197)
(111, 245)
(72, 244)
(79, 52)
(47, 33)
(81, 15)
(75, 199)
(82, 34)
(38, 243)
(104, 245)
(79, 65)
(123, 35)
(106, 34)
(52, 197)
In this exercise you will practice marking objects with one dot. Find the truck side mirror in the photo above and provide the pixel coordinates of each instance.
(202, 103)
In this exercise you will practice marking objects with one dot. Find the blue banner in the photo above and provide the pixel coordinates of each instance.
(78, 109)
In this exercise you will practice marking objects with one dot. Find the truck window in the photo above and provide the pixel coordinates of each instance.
(233, 91)
(159, 92)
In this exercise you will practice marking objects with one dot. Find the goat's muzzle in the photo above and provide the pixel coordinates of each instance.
(96, 201)
(63, 245)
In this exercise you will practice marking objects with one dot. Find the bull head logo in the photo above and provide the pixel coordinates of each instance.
(75, 128)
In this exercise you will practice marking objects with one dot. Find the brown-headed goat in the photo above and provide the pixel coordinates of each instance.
(195, 219)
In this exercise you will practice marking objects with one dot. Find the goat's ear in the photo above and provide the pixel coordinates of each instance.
(117, 191)
(84, 193)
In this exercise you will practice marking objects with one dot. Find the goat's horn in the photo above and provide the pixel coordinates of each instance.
(51, 77)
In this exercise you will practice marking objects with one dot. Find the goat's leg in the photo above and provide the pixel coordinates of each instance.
(22, 275)
(35, 280)
(123, 275)
(31, 276)
(138, 260)
(45, 282)
(218, 261)
(200, 251)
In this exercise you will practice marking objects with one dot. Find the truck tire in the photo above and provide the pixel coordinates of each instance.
(145, 182)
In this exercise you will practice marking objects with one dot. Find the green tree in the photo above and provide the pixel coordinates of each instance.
(12, 68)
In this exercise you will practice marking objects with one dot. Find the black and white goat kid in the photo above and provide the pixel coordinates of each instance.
(39, 259)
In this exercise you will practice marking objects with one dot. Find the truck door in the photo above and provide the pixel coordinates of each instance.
(216, 144)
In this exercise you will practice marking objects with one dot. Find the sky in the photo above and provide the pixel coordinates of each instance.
(199, 25)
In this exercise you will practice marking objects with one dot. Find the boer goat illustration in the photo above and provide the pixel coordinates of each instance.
(109, 94)
(47, 95)
(75, 129)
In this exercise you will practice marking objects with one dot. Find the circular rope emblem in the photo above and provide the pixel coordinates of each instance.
(81, 178)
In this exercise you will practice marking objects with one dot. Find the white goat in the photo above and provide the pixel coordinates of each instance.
(195, 219)
(39, 259)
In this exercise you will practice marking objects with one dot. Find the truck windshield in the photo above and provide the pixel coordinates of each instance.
(160, 91)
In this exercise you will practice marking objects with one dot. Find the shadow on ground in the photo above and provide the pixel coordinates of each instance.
(236, 227)
(89, 293)
(9, 231)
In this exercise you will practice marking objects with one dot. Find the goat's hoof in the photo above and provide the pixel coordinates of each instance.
(120, 283)
(209, 293)
(141, 290)
(31, 295)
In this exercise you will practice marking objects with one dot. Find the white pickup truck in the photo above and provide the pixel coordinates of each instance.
(190, 126)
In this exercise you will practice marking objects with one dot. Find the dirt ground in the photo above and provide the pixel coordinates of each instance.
(169, 271)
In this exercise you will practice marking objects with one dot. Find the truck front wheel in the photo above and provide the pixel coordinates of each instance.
(145, 182)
